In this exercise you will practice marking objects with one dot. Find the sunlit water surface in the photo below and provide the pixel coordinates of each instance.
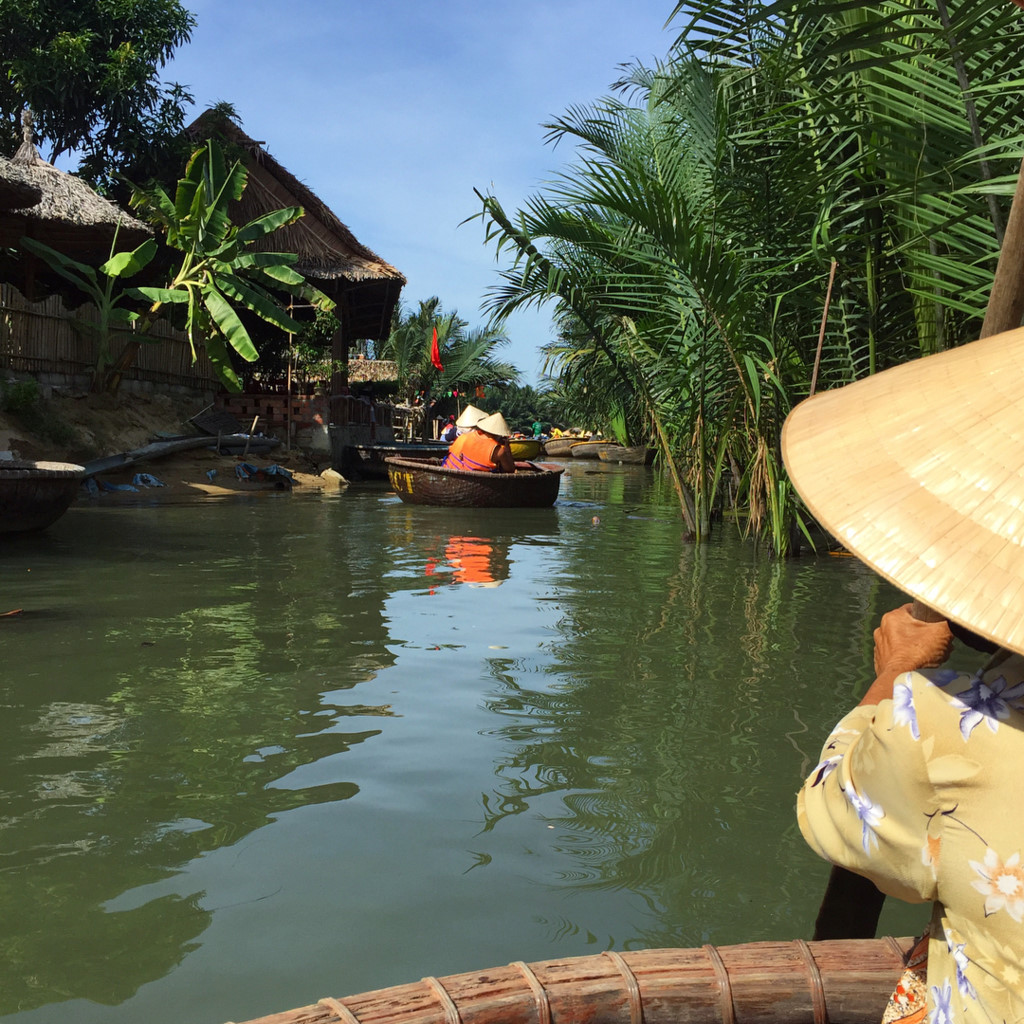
(253, 753)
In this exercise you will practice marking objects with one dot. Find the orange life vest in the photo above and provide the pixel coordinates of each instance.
(474, 451)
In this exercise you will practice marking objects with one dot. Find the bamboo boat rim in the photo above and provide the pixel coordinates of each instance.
(430, 466)
(19, 469)
(794, 982)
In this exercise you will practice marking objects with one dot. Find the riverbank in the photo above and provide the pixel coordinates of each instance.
(81, 427)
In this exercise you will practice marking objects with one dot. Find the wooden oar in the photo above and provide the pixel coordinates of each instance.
(852, 904)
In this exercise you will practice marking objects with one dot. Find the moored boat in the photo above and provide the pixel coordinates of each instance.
(426, 482)
(34, 495)
(558, 447)
(369, 461)
(591, 449)
(845, 981)
(637, 455)
(525, 447)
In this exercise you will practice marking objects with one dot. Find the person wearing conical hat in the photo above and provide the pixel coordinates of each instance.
(470, 416)
(919, 471)
(484, 449)
(468, 419)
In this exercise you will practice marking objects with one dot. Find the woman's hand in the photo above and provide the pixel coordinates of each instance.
(902, 644)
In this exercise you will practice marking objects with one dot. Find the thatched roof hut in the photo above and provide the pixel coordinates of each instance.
(69, 216)
(365, 287)
(17, 189)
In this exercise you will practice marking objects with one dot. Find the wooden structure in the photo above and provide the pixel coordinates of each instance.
(33, 495)
(365, 287)
(45, 339)
(843, 982)
(425, 482)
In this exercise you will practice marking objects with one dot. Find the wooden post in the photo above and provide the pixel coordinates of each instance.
(1006, 301)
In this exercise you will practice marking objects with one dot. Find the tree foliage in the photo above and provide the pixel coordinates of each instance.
(90, 74)
(220, 269)
(686, 249)
(468, 356)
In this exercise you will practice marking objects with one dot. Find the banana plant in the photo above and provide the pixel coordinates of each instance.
(221, 268)
(100, 284)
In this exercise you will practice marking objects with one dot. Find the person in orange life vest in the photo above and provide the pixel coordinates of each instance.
(484, 449)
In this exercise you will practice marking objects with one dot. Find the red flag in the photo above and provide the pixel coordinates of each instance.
(435, 355)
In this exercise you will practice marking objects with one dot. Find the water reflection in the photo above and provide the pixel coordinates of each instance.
(661, 738)
(194, 708)
(218, 728)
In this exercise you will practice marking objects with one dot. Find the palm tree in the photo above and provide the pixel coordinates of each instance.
(468, 356)
(686, 251)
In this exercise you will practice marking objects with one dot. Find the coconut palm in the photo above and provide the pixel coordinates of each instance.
(692, 238)
(468, 356)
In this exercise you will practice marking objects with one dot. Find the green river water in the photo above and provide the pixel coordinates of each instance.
(257, 752)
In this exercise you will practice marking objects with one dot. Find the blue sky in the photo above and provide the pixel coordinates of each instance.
(392, 111)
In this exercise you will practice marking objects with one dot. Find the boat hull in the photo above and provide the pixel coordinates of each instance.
(558, 447)
(422, 482)
(36, 494)
(525, 447)
(590, 449)
(369, 461)
(635, 456)
(844, 981)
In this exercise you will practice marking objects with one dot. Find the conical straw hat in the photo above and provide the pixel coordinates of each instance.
(919, 471)
(494, 424)
(470, 416)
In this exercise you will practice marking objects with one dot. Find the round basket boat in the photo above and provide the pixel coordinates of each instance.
(427, 482)
(526, 447)
(558, 447)
(845, 981)
(35, 494)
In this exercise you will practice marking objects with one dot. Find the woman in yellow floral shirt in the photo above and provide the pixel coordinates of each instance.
(920, 472)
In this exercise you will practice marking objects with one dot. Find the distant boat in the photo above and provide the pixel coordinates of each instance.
(33, 495)
(422, 482)
(369, 461)
(638, 455)
(558, 447)
(525, 447)
(591, 449)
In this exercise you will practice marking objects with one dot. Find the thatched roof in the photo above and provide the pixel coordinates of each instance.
(17, 189)
(365, 287)
(69, 215)
(362, 371)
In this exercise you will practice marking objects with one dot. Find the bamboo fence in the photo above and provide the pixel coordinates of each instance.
(45, 339)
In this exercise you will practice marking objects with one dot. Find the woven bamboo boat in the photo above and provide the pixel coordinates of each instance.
(844, 981)
(636, 455)
(591, 449)
(33, 495)
(525, 447)
(425, 482)
(558, 447)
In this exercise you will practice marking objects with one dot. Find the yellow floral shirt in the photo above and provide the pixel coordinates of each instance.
(924, 794)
